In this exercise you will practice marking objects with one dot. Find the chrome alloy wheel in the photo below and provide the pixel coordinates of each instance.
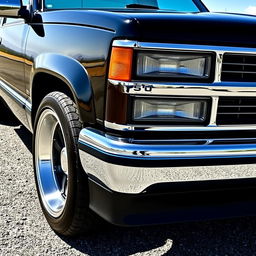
(51, 162)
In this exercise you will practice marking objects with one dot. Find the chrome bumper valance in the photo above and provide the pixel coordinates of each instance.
(131, 177)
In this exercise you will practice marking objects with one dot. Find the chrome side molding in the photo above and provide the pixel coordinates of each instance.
(16, 96)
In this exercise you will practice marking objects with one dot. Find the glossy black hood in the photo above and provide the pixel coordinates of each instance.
(154, 26)
(198, 28)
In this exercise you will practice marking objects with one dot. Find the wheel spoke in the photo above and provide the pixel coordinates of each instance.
(57, 146)
(58, 170)
(64, 186)
(59, 137)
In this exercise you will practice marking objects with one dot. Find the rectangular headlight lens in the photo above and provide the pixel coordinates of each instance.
(170, 110)
(174, 65)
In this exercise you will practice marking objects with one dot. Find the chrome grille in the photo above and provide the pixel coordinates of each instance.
(236, 110)
(239, 68)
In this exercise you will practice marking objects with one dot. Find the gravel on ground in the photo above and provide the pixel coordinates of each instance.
(24, 231)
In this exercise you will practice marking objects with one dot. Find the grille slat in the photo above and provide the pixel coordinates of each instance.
(237, 113)
(236, 110)
(239, 72)
(239, 106)
(239, 64)
(238, 68)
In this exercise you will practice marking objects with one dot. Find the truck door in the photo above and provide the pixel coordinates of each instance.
(13, 35)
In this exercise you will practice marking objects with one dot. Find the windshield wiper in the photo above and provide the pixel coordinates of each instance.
(142, 6)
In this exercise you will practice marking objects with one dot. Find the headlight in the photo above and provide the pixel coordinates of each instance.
(174, 65)
(170, 110)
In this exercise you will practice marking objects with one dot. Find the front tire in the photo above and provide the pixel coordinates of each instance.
(61, 184)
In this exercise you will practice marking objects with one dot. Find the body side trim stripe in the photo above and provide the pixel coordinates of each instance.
(74, 24)
(15, 95)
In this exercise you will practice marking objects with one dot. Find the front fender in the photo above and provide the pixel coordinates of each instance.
(74, 75)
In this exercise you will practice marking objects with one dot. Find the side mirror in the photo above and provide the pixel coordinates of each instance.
(10, 8)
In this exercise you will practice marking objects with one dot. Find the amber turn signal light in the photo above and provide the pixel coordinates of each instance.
(121, 64)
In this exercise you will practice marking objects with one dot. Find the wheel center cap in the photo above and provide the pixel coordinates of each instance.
(64, 160)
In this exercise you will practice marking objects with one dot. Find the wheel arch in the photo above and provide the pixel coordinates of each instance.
(54, 72)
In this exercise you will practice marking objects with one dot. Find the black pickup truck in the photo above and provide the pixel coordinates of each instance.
(126, 100)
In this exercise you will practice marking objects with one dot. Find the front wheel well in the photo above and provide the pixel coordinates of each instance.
(44, 84)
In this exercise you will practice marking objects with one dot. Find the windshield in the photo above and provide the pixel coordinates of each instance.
(173, 5)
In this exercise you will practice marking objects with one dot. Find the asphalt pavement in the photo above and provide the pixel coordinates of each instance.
(24, 231)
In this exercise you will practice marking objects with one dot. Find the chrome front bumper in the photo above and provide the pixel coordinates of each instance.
(131, 166)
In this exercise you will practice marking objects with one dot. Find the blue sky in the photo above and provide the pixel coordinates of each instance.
(243, 6)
